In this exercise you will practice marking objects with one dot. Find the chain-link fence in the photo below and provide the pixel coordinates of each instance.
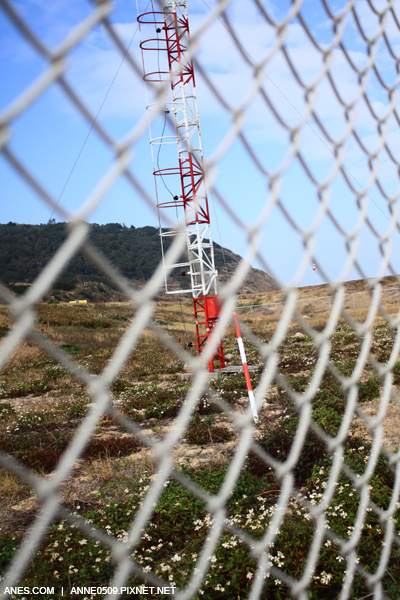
(328, 512)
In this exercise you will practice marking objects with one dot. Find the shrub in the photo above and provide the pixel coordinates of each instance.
(6, 409)
(329, 405)
(112, 446)
(76, 409)
(328, 419)
(277, 442)
(203, 431)
(4, 330)
(382, 343)
(8, 547)
(346, 367)
(120, 385)
(369, 390)
(396, 373)
(21, 389)
(148, 401)
(36, 451)
(73, 349)
(65, 285)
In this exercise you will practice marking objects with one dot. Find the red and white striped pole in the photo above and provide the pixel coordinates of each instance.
(245, 368)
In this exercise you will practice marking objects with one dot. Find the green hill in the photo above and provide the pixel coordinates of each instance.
(135, 251)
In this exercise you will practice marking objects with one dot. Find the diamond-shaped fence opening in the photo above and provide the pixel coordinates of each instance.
(183, 493)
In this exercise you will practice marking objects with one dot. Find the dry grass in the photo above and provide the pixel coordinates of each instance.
(105, 480)
(11, 487)
(16, 502)
(24, 353)
(390, 424)
(5, 320)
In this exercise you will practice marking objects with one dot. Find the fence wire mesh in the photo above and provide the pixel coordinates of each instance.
(267, 533)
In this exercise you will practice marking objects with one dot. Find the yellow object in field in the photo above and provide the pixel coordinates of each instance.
(77, 302)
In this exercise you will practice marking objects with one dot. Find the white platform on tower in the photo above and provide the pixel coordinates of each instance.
(231, 369)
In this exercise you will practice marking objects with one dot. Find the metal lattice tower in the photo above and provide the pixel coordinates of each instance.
(172, 64)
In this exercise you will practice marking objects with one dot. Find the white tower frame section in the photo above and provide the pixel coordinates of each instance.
(171, 45)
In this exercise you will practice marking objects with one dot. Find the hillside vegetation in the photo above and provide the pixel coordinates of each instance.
(135, 251)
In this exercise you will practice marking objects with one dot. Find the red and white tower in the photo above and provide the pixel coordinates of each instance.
(181, 188)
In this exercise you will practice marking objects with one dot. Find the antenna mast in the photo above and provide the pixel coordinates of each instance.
(182, 187)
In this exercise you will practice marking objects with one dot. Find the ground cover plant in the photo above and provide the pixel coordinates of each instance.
(41, 405)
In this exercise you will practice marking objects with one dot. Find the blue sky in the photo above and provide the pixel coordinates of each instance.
(53, 140)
